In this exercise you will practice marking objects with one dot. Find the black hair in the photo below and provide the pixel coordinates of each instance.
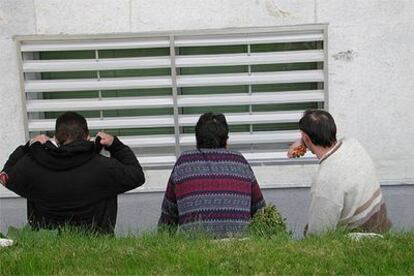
(319, 126)
(70, 127)
(212, 131)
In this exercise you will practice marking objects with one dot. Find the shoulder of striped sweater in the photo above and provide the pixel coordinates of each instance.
(236, 153)
(189, 152)
(351, 142)
(349, 151)
(207, 151)
(354, 150)
(345, 165)
(185, 155)
(354, 144)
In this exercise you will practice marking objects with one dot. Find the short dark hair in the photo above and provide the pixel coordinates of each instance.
(212, 131)
(319, 126)
(70, 127)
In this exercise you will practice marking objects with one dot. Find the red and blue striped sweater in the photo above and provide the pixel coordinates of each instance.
(213, 191)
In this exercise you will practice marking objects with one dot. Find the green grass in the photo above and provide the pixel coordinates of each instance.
(47, 252)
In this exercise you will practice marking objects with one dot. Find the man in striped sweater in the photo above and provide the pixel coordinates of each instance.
(345, 193)
(211, 189)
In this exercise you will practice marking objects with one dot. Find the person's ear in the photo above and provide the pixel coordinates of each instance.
(54, 139)
(306, 139)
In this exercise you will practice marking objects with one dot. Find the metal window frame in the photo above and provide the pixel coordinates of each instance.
(323, 27)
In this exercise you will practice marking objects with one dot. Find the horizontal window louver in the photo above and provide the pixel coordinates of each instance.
(150, 91)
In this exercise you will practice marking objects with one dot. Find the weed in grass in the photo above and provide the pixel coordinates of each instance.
(268, 222)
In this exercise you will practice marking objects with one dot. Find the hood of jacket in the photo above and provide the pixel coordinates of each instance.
(64, 157)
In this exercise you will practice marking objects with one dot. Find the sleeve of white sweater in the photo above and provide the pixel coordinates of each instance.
(323, 216)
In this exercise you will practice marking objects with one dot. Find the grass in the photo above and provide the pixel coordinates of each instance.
(49, 252)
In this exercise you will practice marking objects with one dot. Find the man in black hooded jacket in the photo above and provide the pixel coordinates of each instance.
(67, 182)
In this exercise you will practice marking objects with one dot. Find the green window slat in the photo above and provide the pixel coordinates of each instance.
(287, 67)
(66, 55)
(213, 70)
(127, 53)
(294, 46)
(214, 90)
(280, 87)
(135, 73)
(213, 50)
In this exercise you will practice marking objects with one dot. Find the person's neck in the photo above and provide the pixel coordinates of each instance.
(321, 151)
(67, 142)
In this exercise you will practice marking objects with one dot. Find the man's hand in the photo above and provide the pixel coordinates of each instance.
(297, 149)
(39, 138)
(106, 139)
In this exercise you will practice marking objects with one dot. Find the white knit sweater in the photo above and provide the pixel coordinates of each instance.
(345, 191)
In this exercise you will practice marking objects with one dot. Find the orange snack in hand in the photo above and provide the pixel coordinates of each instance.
(299, 151)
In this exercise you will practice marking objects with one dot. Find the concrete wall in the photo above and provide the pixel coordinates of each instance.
(139, 212)
(371, 60)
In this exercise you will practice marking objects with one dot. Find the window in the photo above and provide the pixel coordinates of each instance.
(151, 89)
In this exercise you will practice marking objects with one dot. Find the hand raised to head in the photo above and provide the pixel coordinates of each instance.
(297, 149)
(106, 139)
(39, 138)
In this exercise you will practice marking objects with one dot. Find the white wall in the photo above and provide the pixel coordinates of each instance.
(371, 63)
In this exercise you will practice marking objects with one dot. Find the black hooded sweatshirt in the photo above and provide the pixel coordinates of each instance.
(72, 184)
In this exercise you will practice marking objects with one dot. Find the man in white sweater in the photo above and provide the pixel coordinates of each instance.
(345, 192)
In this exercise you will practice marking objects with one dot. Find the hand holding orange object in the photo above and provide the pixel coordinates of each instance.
(297, 149)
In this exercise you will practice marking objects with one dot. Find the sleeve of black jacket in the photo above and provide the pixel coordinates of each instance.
(125, 168)
(12, 176)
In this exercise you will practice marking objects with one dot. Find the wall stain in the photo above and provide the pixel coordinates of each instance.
(347, 55)
(273, 9)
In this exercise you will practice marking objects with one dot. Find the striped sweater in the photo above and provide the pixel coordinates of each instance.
(346, 192)
(213, 191)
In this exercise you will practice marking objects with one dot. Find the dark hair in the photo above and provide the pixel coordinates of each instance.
(71, 126)
(319, 126)
(212, 131)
